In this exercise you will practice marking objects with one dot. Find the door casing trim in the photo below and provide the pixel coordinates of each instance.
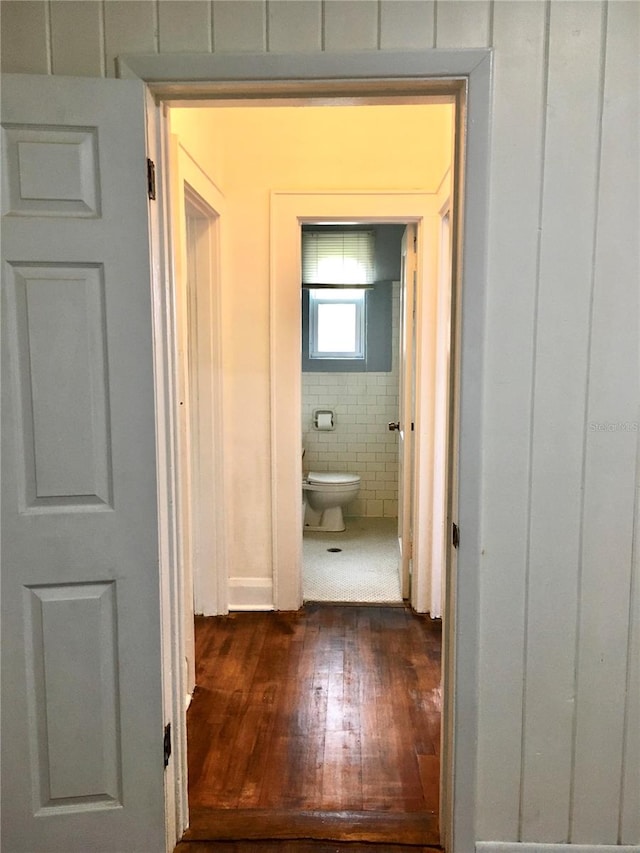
(288, 211)
(468, 75)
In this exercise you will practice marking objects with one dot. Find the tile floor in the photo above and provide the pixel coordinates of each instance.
(365, 570)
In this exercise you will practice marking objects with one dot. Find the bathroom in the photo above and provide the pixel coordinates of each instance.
(347, 406)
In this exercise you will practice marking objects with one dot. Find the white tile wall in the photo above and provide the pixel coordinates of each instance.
(364, 404)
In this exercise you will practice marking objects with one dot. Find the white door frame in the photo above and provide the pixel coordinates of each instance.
(289, 210)
(197, 276)
(177, 172)
(467, 73)
(409, 516)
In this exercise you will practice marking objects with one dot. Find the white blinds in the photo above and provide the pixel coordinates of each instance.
(337, 258)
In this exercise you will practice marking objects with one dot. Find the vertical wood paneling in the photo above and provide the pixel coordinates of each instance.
(463, 23)
(577, 770)
(571, 159)
(25, 37)
(130, 27)
(295, 25)
(184, 26)
(619, 234)
(351, 25)
(610, 454)
(629, 811)
(239, 25)
(77, 38)
(518, 118)
(406, 25)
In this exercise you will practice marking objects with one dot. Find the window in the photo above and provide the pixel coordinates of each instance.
(346, 307)
(337, 266)
(337, 323)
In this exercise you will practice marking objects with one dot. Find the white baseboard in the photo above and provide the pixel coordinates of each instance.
(532, 847)
(250, 594)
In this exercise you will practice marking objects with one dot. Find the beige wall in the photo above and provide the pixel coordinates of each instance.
(254, 151)
(559, 662)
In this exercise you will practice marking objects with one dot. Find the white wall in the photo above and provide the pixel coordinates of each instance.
(559, 691)
(254, 151)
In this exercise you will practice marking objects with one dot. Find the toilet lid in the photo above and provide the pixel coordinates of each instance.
(325, 478)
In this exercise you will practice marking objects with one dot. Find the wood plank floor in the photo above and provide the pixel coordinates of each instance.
(296, 847)
(320, 725)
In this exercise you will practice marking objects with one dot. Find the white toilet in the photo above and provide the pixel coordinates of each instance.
(324, 495)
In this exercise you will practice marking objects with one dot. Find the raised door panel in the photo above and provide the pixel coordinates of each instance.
(57, 345)
(71, 640)
(82, 762)
(51, 172)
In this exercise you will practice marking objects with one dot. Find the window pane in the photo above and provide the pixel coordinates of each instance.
(336, 328)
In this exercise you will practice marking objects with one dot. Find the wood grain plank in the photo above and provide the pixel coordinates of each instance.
(271, 767)
(325, 708)
(610, 453)
(629, 811)
(129, 27)
(263, 846)
(430, 777)
(24, 43)
(379, 827)
(295, 26)
(221, 701)
(77, 43)
(406, 25)
(239, 26)
(350, 25)
(341, 771)
(463, 23)
(185, 26)
(519, 36)
(566, 255)
(246, 775)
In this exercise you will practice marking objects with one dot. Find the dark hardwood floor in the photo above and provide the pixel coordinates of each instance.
(312, 727)
(297, 847)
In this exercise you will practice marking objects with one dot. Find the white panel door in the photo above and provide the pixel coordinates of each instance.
(82, 758)
(406, 406)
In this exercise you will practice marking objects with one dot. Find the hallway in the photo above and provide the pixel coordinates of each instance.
(332, 709)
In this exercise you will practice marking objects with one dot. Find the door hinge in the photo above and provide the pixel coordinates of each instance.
(167, 744)
(151, 179)
(455, 535)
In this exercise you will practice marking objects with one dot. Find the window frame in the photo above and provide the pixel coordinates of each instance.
(330, 296)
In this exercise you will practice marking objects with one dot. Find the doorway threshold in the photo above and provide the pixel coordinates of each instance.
(414, 828)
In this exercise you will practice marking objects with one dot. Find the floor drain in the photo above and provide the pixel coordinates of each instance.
(334, 550)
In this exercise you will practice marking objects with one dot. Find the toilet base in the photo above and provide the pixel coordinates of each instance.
(330, 520)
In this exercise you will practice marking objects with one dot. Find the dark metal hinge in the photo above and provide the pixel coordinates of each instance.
(167, 744)
(151, 179)
(455, 535)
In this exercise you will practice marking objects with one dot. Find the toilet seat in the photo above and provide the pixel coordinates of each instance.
(327, 478)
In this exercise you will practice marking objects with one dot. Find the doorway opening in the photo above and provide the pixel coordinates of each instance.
(260, 596)
(354, 380)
